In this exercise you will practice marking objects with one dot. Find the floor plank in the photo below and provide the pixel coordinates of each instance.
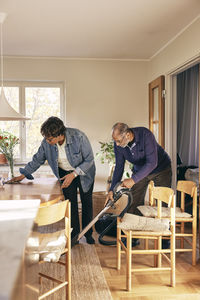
(150, 286)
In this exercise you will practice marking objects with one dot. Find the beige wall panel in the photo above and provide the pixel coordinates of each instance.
(98, 93)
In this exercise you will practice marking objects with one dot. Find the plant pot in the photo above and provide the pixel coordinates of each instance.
(3, 159)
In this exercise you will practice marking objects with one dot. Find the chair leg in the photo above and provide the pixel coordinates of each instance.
(159, 254)
(146, 241)
(68, 275)
(118, 247)
(173, 259)
(68, 268)
(194, 242)
(199, 226)
(182, 231)
(128, 261)
(156, 255)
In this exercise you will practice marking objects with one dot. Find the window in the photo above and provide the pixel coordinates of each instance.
(37, 101)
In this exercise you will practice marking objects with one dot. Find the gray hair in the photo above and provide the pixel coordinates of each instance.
(122, 128)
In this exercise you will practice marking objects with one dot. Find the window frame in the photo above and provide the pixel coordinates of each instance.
(22, 85)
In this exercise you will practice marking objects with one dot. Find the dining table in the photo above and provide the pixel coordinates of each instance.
(19, 203)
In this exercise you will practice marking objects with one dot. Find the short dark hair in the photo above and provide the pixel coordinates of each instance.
(53, 126)
(121, 128)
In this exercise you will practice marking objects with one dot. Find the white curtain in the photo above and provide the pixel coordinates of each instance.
(188, 116)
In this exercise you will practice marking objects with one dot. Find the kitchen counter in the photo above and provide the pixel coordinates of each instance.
(19, 203)
(16, 220)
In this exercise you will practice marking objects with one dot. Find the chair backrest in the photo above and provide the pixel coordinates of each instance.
(164, 194)
(189, 188)
(51, 214)
(50, 202)
(161, 194)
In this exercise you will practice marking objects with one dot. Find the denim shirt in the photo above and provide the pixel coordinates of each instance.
(79, 154)
(146, 155)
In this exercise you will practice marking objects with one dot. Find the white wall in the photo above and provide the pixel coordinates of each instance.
(98, 93)
(181, 50)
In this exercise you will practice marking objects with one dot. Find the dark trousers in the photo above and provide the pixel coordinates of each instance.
(86, 199)
(162, 178)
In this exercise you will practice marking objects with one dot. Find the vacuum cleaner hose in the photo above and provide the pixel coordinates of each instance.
(114, 223)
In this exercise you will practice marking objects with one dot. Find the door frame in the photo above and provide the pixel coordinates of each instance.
(170, 112)
(158, 83)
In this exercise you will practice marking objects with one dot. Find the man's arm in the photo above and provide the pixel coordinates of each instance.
(119, 167)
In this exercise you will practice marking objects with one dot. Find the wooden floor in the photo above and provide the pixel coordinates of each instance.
(150, 286)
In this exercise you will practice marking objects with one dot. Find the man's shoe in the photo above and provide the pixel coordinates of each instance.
(90, 240)
(165, 244)
(135, 242)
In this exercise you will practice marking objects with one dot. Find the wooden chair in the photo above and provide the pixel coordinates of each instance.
(187, 188)
(181, 216)
(53, 201)
(126, 229)
(48, 215)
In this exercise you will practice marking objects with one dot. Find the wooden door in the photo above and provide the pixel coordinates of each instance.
(157, 109)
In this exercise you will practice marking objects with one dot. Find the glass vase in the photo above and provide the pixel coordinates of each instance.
(11, 167)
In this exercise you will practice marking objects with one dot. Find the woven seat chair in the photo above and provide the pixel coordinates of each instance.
(148, 228)
(48, 247)
(184, 188)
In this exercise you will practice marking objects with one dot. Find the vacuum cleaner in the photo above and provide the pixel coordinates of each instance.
(117, 194)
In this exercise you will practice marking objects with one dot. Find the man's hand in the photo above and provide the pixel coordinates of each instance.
(109, 197)
(16, 179)
(67, 180)
(128, 183)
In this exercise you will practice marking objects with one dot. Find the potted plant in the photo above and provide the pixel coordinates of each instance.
(8, 142)
(3, 159)
(106, 155)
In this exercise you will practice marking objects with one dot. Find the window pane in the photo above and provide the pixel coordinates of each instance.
(155, 104)
(12, 95)
(156, 131)
(41, 103)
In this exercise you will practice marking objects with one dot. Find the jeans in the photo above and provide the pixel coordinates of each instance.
(162, 178)
(86, 199)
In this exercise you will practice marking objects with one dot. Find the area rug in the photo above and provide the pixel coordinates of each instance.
(88, 281)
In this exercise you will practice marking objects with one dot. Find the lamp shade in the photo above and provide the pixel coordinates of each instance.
(7, 113)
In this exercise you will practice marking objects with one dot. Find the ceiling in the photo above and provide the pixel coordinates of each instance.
(102, 29)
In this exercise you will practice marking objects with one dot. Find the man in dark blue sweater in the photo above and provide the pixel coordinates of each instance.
(150, 162)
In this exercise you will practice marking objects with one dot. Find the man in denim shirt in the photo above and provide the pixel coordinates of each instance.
(70, 156)
(150, 162)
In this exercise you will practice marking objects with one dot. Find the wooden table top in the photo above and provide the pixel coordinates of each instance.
(43, 188)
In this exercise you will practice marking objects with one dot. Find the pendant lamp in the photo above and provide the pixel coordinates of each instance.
(7, 113)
